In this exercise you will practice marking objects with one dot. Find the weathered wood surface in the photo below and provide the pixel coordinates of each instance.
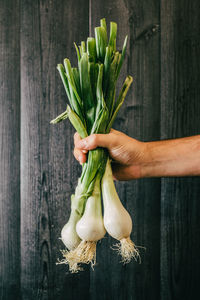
(48, 170)
(180, 111)
(163, 57)
(9, 150)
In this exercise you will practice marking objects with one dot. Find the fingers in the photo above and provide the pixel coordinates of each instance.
(77, 138)
(97, 140)
(79, 154)
(82, 146)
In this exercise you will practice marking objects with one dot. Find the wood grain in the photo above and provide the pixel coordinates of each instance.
(36, 158)
(180, 110)
(9, 151)
(139, 118)
(48, 170)
(143, 122)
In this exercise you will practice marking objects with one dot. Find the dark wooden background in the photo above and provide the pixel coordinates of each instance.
(39, 172)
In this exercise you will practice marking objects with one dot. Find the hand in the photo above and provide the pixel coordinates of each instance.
(134, 159)
(127, 153)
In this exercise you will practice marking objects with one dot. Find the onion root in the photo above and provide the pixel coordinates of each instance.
(73, 265)
(128, 250)
(85, 253)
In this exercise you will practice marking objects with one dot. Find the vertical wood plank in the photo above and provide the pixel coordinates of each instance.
(139, 118)
(180, 110)
(48, 170)
(9, 151)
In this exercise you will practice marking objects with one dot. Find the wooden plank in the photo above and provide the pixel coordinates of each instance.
(48, 170)
(180, 110)
(139, 118)
(9, 150)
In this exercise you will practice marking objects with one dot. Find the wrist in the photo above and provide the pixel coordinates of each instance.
(147, 164)
(141, 166)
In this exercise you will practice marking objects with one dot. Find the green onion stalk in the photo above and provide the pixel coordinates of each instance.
(92, 109)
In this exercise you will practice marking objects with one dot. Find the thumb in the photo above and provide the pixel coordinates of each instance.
(97, 140)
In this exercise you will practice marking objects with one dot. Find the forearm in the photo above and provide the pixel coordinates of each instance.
(176, 157)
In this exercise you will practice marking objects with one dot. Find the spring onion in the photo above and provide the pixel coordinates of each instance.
(117, 220)
(92, 109)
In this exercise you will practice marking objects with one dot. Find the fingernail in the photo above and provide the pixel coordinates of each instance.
(84, 151)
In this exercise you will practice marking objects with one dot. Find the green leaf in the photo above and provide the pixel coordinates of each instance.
(91, 49)
(110, 92)
(76, 77)
(77, 52)
(101, 42)
(93, 79)
(122, 56)
(74, 90)
(113, 35)
(60, 118)
(101, 123)
(75, 98)
(120, 100)
(107, 62)
(96, 122)
(83, 47)
(94, 164)
(76, 122)
(99, 92)
(61, 70)
(86, 92)
(103, 24)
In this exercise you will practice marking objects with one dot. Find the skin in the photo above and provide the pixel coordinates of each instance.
(134, 159)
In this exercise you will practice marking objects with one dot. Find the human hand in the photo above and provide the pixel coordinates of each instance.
(127, 153)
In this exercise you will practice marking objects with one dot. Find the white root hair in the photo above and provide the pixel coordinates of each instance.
(128, 250)
(85, 253)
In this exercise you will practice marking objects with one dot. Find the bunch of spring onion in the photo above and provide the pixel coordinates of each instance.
(91, 91)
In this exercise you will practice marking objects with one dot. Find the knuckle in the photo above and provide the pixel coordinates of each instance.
(114, 139)
(94, 140)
